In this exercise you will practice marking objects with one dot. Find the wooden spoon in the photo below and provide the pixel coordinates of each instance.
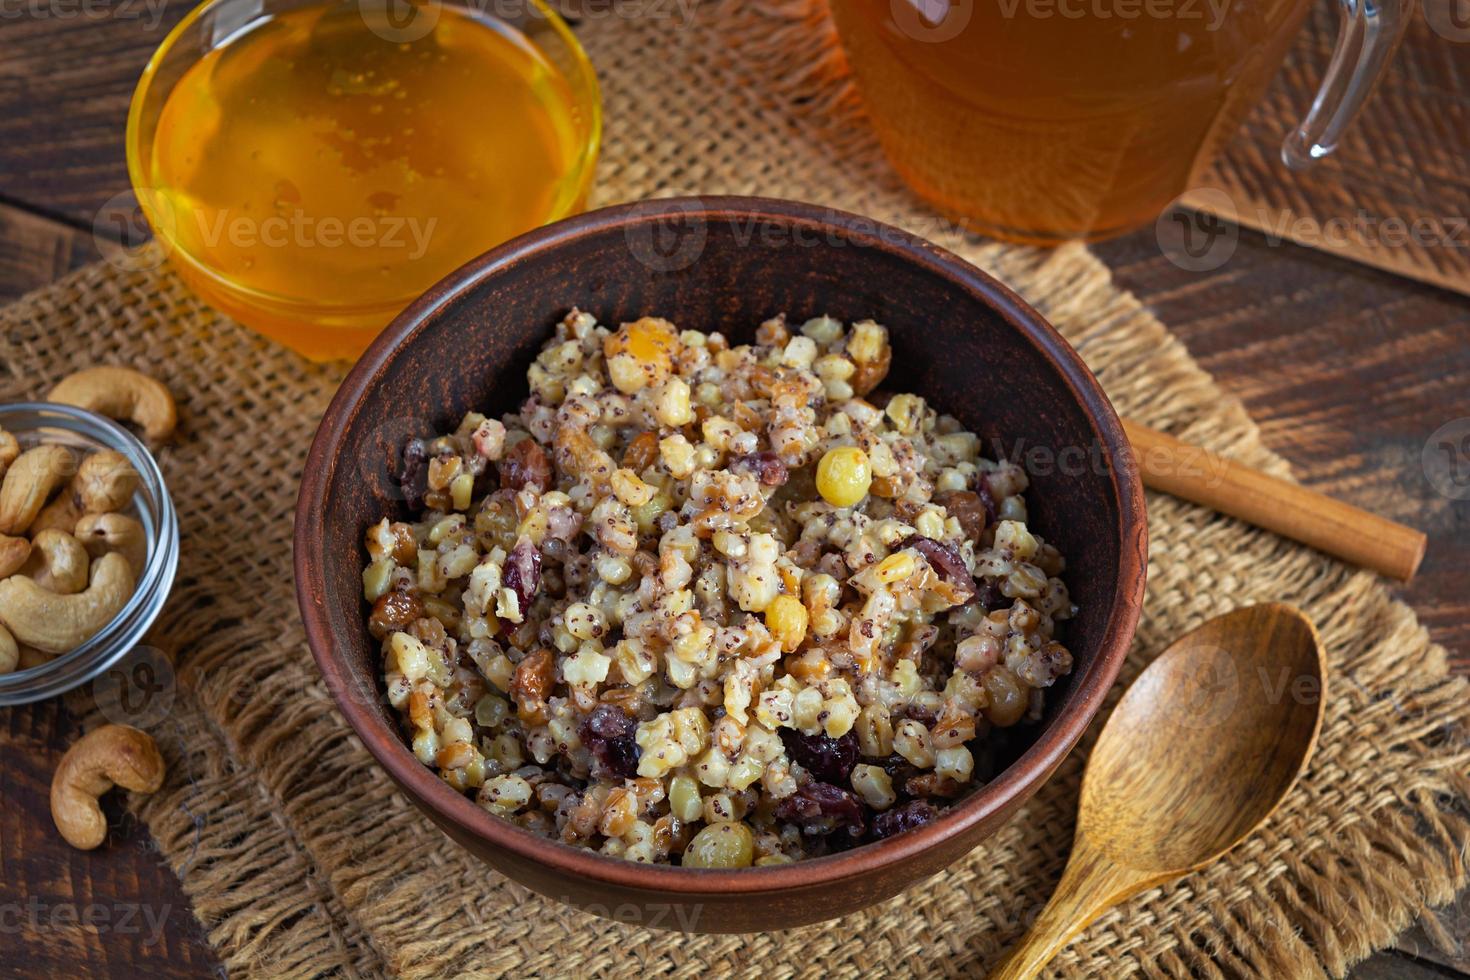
(1199, 752)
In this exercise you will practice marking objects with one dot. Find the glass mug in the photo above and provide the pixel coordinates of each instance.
(1042, 121)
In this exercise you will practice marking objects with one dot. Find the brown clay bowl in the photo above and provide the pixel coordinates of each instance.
(961, 339)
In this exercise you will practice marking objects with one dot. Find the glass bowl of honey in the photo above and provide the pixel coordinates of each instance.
(310, 167)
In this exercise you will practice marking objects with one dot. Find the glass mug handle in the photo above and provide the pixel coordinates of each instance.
(1368, 33)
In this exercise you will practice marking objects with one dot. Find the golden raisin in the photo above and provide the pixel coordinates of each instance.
(870, 374)
(394, 611)
(530, 684)
(642, 452)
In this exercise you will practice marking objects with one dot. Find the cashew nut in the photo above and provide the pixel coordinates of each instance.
(58, 562)
(102, 534)
(9, 449)
(121, 393)
(9, 652)
(106, 481)
(29, 481)
(58, 623)
(113, 755)
(13, 554)
(59, 515)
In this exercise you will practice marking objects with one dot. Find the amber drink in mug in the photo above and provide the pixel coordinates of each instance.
(1047, 120)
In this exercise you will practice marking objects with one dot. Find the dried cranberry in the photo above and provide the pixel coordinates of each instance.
(764, 466)
(526, 465)
(523, 573)
(608, 734)
(945, 560)
(915, 813)
(821, 808)
(413, 478)
(828, 759)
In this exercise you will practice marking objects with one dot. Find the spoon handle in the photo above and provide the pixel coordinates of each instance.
(1089, 887)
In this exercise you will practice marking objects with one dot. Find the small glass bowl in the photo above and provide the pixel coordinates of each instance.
(319, 330)
(36, 422)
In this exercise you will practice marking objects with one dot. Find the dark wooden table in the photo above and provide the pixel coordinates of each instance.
(1347, 369)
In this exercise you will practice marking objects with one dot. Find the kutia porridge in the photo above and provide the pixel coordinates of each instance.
(710, 605)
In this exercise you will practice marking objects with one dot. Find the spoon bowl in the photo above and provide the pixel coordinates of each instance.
(1198, 753)
(1206, 742)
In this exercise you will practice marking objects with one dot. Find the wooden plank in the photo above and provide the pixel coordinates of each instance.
(116, 911)
(1348, 371)
(1390, 966)
(38, 250)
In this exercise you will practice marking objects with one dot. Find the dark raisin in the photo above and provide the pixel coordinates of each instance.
(933, 784)
(945, 560)
(828, 759)
(991, 597)
(915, 813)
(899, 769)
(821, 808)
(608, 734)
(764, 466)
(523, 573)
(987, 498)
(413, 477)
(526, 465)
(967, 508)
(920, 714)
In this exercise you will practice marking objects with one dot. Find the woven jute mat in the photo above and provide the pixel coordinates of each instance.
(302, 859)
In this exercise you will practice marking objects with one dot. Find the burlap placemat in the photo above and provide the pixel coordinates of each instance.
(302, 859)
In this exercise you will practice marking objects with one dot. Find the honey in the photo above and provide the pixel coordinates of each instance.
(317, 172)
